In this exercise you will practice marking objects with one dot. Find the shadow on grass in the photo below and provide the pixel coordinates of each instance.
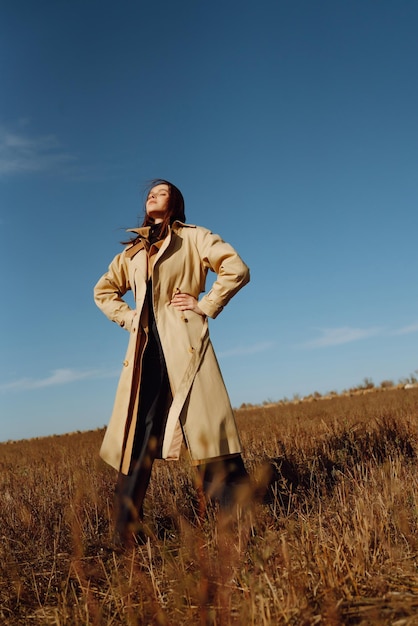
(300, 472)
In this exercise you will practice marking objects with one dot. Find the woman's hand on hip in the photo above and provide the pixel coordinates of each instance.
(186, 302)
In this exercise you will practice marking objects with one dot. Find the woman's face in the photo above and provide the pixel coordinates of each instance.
(157, 202)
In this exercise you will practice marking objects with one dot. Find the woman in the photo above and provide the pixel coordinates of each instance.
(171, 389)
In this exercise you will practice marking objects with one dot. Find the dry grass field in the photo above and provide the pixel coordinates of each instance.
(333, 541)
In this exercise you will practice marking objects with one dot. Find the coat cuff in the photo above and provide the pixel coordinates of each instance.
(209, 306)
(127, 321)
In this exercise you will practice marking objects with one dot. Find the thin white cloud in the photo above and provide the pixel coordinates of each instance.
(338, 336)
(262, 346)
(57, 377)
(21, 153)
(406, 330)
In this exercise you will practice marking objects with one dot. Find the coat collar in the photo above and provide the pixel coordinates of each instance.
(143, 232)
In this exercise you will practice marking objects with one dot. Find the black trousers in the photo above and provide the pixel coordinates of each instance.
(152, 414)
(221, 479)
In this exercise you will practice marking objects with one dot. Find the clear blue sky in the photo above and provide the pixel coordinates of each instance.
(291, 128)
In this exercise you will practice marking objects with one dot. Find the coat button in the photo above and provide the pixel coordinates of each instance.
(125, 363)
(191, 349)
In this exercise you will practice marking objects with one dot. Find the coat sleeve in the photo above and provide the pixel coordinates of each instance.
(109, 292)
(232, 273)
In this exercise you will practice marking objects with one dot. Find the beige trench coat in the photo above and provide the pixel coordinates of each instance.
(200, 411)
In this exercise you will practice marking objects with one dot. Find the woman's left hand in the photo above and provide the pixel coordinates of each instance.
(186, 302)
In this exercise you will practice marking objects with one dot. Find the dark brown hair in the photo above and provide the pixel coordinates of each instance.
(175, 208)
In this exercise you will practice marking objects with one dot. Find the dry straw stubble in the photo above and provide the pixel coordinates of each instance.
(328, 535)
